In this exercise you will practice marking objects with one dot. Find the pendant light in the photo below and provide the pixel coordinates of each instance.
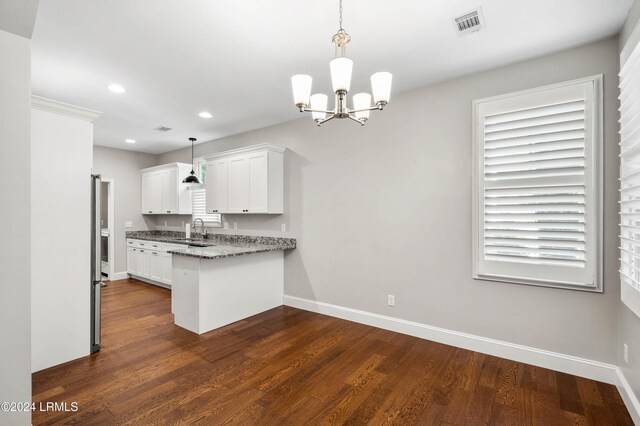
(192, 178)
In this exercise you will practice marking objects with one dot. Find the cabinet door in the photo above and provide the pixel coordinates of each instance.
(155, 265)
(147, 183)
(142, 263)
(132, 257)
(152, 193)
(216, 184)
(258, 183)
(238, 196)
(167, 268)
(169, 191)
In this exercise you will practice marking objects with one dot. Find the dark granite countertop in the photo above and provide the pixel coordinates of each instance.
(215, 246)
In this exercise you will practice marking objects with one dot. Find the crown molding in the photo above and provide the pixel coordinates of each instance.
(244, 150)
(61, 108)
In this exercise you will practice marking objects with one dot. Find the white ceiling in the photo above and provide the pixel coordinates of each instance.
(234, 58)
(18, 16)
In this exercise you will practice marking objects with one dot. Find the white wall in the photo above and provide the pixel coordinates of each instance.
(15, 223)
(124, 168)
(386, 209)
(628, 322)
(61, 237)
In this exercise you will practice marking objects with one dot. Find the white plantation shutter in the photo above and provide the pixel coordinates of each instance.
(630, 175)
(536, 186)
(199, 200)
(199, 208)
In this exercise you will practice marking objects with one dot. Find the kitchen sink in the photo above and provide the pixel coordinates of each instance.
(194, 243)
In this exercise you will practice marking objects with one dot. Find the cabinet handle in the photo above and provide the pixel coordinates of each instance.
(214, 211)
(168, 211)
(141, 251)
(150, 211)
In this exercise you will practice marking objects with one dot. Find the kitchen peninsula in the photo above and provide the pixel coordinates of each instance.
(223, 278)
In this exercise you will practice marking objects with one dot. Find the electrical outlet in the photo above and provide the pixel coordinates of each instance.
(391, 300)
(626, 353)
(235, 225)
(165, 223)
(128, 224)
(226, 225)
(283, 228)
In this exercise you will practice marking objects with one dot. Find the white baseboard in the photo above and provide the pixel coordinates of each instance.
(542, 358)
(628, 396)
(118, 276)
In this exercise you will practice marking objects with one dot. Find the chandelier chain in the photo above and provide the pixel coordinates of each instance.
(340, 3)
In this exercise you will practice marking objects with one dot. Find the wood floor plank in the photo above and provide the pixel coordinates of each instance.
(291, 367)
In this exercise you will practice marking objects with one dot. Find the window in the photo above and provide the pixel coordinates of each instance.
(537, 191)
(199, 199)
(630, 174)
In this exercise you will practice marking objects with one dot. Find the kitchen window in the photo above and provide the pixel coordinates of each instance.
(199, 199)
(537, 204)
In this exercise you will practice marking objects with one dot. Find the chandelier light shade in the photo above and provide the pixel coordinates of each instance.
(319, 103)
(301, 88)
(362, 103)
(341, 68)
(381, 86)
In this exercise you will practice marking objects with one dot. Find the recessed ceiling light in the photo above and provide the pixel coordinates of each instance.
(130, 140)
(116, 88)
(205, 114)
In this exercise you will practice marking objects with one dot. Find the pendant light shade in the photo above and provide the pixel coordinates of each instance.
(192, 178)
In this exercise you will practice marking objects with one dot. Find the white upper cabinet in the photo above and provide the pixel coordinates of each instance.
(163, 191)
(238, 184)
(217, 190)
(246, 181)
(151, 193)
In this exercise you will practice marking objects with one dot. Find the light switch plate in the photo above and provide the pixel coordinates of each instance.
(284, 227)
(226, 225)
(128, 224)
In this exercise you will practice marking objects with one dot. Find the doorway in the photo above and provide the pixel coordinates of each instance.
(107, 222)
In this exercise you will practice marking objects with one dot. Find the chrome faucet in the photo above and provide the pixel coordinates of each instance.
(204, 231)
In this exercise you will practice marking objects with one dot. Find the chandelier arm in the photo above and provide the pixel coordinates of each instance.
(331, 117)
(305, 109)
(351, 117)
(375, 108)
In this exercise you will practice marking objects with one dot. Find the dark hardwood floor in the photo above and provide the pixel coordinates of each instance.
(293, 367)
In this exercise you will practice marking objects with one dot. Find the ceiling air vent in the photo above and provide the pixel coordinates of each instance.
(163, 129)
(469, 23)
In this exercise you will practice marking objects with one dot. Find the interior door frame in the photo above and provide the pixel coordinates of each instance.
(111, 224)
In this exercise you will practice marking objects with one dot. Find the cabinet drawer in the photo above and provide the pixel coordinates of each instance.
(153, 245)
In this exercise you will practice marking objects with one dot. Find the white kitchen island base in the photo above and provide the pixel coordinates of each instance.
(211, 293)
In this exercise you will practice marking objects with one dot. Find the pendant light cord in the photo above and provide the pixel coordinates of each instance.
(340, 10)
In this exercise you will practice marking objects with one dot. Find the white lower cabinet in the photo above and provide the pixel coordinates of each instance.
(155, 265)
(142, 263)
(132, 260)
(150, 260)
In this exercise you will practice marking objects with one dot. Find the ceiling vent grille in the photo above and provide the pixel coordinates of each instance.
(163, 129)
(469, 23)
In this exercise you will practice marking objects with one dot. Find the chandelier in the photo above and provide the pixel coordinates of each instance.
(341, 68)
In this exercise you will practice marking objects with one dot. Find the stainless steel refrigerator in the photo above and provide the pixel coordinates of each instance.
(96, 269)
